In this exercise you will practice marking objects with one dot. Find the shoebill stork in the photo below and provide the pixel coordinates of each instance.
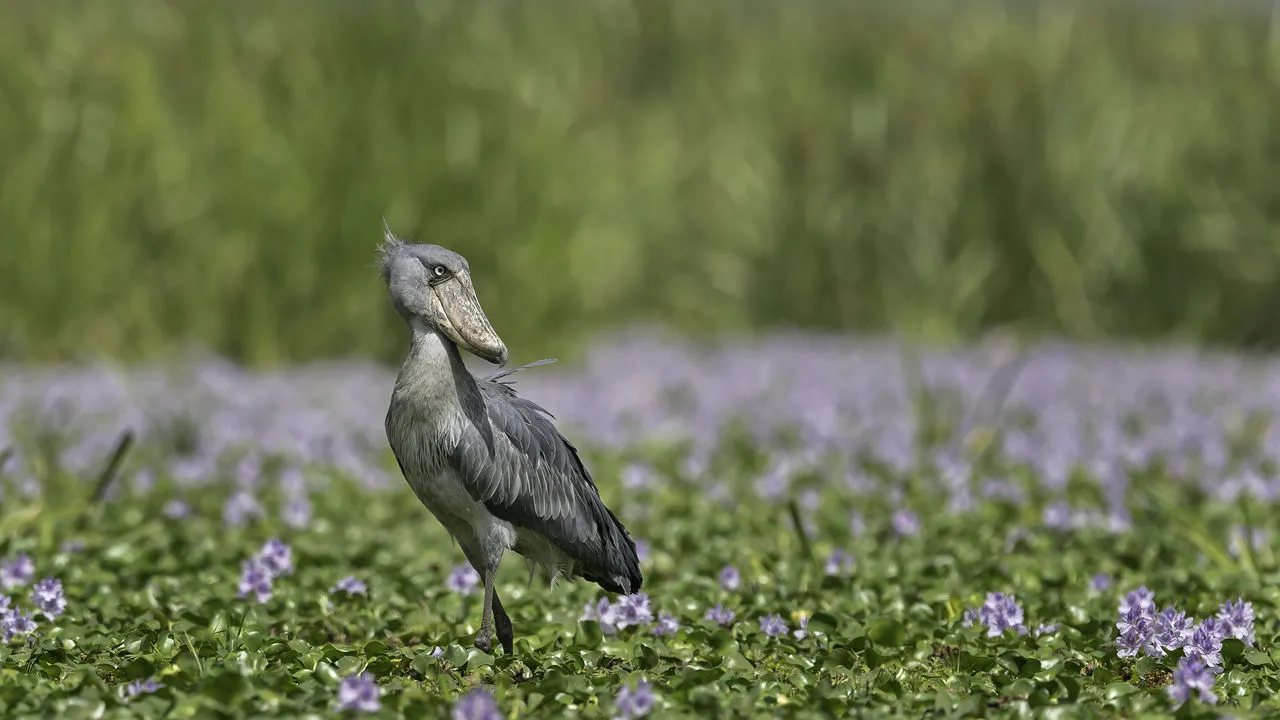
(489, 465)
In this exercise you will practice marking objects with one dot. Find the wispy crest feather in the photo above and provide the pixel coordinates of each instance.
(387, 250)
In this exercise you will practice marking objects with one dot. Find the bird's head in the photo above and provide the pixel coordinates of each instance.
(431, 285)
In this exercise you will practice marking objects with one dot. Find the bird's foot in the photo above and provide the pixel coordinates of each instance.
(484, 639)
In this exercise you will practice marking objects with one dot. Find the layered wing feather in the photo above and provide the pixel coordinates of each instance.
(514, 460)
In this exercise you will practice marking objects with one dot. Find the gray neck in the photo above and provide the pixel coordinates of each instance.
(433, 371)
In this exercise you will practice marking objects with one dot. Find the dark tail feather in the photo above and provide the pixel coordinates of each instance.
(620, 563)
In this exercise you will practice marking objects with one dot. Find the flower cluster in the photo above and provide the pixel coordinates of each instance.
(360, 693)
(141, 687)
(720, 615)
(478, 704)
(46, 595)
(634, 701)
(463, 580)
(1144, 630)
(839, 562)
(16, 572)
(1000, 612)
(258, 574)
(629, 611)
(13, 622)
(772, 625)
(351, 586)
(1192, 676)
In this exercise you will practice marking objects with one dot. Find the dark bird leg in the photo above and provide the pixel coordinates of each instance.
(484, 638)
(503, 625)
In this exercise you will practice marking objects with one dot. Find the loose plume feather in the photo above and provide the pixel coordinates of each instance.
(387, 250)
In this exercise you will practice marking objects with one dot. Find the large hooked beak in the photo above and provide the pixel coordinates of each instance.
(466, 324)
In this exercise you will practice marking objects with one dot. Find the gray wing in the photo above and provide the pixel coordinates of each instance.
(513, 460)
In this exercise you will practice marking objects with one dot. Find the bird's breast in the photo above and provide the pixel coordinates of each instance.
(424, 441)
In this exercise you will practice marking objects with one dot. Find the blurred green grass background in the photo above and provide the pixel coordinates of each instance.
(216, 173)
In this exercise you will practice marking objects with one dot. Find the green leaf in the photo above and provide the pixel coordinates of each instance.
(888, 633)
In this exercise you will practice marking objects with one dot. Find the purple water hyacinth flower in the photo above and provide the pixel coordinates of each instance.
(905, 523)
(1000, 612)
(1205, 643)
(839, 562)
(720, 615)
(1142, 598)
(292, 481)
(1046, 629)
(143, 481)
(29, 487)
(1259, 538)
(774, 483)
(176, 510)
(730, 579)
(71, 546)
(255, 579)
(642, 551)
(695, 466)
(719, 492)
(1170, 629)
(13, 622)
(636, 476)
(1057, 515)
(359, 693)
(276, 557)
(1192, 677)
(1100, 582)
(478, 704)
(1132, 616)
(1235, 618)
(969, 617)
(240, 508)
(17, 572)
(351, 586)
(1119, 521)
(296, 512)
(1137, 637)
(772, 625)
(463, 580)
(248, 473)
(857, 526)
(631, 610)
(666, 626)
(858, 481)
(48, 597)
(437, 652)
(634, 702)
(141, 687)
(602, 613)
(810, 499)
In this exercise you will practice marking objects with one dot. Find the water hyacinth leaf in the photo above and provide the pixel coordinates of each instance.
(1117, 690)
(588, 634)
(887, 633)
(824, 622)
(226, 687)
(971, 663)
(735, 661)
(1232, 648)
(328, 673)
(1257, 658)
(375, 647)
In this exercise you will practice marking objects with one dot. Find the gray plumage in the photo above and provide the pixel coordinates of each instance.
(489, 465)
